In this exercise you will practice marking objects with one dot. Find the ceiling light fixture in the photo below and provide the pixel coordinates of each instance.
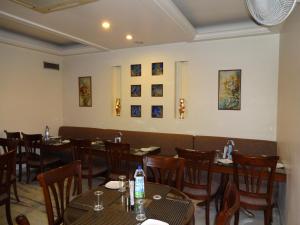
(129, 37)
(106, 25)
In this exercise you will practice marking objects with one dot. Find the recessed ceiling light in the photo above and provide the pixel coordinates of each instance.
(129, 37)
(106, 25)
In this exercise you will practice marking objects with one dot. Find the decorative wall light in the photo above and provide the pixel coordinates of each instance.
(180, 89)
(118, 106)
(181, 108)
(116, 90)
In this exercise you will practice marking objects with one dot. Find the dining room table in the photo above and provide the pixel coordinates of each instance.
(172, 207)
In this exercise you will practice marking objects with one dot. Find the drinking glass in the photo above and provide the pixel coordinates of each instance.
(122, 183)
(140, 211)
(98, 204)
(218, 155)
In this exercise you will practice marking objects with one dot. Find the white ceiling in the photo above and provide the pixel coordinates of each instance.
(151, 22)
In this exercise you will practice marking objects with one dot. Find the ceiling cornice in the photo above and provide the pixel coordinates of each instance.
(42, 46)
(230, 31)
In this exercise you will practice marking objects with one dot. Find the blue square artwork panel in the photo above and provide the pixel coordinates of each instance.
(157, 111)
(136, 110)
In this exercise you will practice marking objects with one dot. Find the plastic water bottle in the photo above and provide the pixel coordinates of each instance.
(139, 189)
(47, 133)
(139, 194)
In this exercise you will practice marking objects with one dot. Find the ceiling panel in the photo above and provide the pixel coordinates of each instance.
(213, 12)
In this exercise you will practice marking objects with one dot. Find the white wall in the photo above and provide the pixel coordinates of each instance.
(256, 56)
(289, 112)
(30, 96)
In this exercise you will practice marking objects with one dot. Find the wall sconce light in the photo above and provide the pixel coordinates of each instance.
(118, 106)
(181, 108)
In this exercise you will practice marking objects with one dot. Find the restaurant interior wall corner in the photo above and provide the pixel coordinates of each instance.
(288, 115)
(256, 56)
(30, 96)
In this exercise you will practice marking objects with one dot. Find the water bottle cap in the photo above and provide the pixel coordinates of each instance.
(139, 167)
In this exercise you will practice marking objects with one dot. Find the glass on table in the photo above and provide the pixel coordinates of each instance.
(140, 210)
(98, 202)
(218, 155)
(122, 183)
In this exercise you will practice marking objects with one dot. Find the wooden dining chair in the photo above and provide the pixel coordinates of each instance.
(90, 166)
(21, 155)
(165, 170)
(9, 145)
(22, 220)
(35, 155)
(56, 185)
(254, 178)
(7, 164)
(230, 205)
(197, 178)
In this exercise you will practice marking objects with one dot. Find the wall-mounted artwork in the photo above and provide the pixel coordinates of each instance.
(136, 110)
(229, 90)
(136, 90)
(136, 70)
(157, 68)
(85, 91)
(157, 90)
(157, 111)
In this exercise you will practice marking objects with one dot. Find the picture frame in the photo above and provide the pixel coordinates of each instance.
(136, 70)
(157, 90)
(157, 68)
(229, 89)
(85, 91)
(136, 90)
(157, 111)
(136, 110)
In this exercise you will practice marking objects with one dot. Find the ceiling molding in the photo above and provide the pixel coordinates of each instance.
(230, 31)
(42, 27)
(42, 46)
(171, 10)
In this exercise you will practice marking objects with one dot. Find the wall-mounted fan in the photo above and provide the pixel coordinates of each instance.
(270, 12)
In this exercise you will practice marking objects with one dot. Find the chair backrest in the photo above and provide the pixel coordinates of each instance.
(22, 220)
(53, 184)
(7, 164)
(12, 135)
(197, 171)
(78, 146)
(118, 158)
(165, 170)
(31, 142)
(231, 204)
(254, 175)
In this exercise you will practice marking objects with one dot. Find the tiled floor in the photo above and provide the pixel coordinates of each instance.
(33, 207)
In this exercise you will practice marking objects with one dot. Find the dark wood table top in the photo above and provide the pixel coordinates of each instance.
(174, 207)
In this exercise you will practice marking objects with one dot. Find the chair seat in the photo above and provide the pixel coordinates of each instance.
(46, 161)
(21, 158)
(253, 201)
(3, 197)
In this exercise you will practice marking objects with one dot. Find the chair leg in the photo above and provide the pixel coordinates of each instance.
(16, 191)
(267, 216)
(207, 212)
(8, 214)
(27, 173)
(20, 171)
(90, 182)
(237, 217)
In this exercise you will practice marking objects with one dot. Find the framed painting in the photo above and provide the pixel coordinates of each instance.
(136, 110)
(157, 111)
(157, 68)
(229, 95)
(136, 70)
(85, 91)
(136, 90)
(157, 90)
